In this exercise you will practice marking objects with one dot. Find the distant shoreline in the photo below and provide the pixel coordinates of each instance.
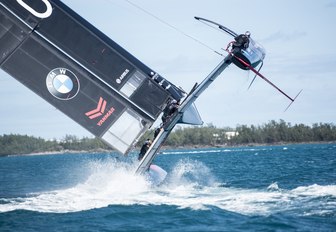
(63, 152)
(168, 148)
(269, 134)
(246, 145)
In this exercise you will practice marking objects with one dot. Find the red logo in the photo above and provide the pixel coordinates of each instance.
(100, 111)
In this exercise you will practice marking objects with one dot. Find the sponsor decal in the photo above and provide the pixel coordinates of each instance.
(119, 80)
(99, 112)
(41, 15)
(62, 83)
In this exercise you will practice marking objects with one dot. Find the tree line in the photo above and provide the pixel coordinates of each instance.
(272, 132)
(23, 144)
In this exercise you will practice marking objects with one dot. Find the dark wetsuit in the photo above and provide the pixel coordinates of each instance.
(241, 42)
(144, 149)
(169, 111)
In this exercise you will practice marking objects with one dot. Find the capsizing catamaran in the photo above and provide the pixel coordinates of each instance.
(68, 62)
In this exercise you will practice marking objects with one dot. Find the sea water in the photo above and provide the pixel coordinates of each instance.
(266, 188)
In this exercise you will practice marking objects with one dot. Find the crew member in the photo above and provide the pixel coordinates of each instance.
(144, 149)
(169, 110)
(242, 41)
(156, 132)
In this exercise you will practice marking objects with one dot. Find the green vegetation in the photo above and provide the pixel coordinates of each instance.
(23, 144)
(269, 133)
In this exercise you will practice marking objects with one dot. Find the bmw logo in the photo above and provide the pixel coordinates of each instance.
(62, 83)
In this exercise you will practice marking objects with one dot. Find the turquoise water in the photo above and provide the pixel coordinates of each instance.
(274, 188)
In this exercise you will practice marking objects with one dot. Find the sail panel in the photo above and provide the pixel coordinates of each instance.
(79, 70)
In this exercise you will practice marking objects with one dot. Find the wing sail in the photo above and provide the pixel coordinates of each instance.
(79, 70)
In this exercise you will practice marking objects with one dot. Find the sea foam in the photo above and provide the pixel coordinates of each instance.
(190, 184)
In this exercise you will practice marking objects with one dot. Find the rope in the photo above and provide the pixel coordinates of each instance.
(173, 27)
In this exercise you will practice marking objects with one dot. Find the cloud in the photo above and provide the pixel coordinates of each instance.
(285, 37)
(311, 66)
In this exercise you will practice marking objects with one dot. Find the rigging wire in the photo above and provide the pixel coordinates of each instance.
(212, 26)
(173, 27)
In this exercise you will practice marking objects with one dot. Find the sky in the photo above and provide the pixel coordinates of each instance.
(298, 36)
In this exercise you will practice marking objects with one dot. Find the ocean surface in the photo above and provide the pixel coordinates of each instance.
(266, 188)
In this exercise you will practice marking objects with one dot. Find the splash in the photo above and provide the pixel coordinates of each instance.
(189, 172)
(109, 182)
(190, 184)
(273, 187)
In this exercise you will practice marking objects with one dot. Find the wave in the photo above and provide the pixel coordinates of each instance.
(189, 185)
(218, 150)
